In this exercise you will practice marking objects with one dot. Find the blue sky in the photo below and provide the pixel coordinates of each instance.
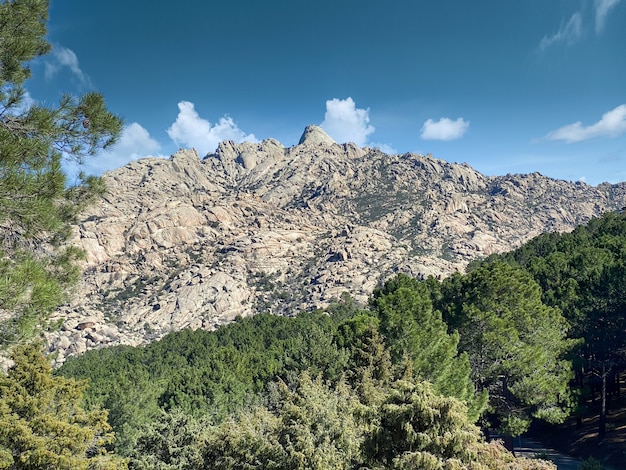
(508, 86)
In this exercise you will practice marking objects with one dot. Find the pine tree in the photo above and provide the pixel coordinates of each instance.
(583, 273)
(413, 329)
(320, 427)
(37, 206)
(42, 423)
(516, 344)
(173, 442)
(311, 427)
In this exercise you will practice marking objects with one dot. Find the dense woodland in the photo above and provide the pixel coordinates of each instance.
(521, 337)
(412, 380)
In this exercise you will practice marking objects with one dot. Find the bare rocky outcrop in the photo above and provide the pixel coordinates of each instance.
(187, 242)
(315, 135)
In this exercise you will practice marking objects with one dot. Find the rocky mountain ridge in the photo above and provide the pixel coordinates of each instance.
(190, 242)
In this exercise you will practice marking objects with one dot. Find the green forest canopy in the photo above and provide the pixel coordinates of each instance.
(496, 333)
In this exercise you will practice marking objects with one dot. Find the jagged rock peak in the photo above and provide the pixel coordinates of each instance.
(315, 135)
(257, 227)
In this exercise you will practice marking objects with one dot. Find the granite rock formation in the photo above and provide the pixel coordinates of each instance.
(190, 242)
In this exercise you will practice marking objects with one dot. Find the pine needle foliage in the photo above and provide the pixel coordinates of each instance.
(42, 422)
(37, 205)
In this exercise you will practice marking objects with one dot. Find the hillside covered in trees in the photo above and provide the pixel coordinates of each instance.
(521, 337)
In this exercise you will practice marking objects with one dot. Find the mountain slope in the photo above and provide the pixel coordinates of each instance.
(190, 242)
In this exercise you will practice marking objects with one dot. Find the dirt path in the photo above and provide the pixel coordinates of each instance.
(527, 447)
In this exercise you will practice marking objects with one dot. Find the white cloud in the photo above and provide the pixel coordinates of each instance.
(385, 148)
(27, 101)
(612, 124)
(134, 143)
(568, 33)
(191, 130)
(572, 31)
(444, 129)
(344, 122)
(61, 57)
(602, 8)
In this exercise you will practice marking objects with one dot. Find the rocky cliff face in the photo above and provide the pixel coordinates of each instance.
(190, 242)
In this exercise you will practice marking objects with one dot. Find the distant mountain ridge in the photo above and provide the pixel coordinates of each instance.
(189, 242)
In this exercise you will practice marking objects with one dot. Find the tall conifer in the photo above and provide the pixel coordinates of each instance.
(37, 205)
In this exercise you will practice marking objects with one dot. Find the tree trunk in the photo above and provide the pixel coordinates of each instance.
(602, 421)
(508, 444)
